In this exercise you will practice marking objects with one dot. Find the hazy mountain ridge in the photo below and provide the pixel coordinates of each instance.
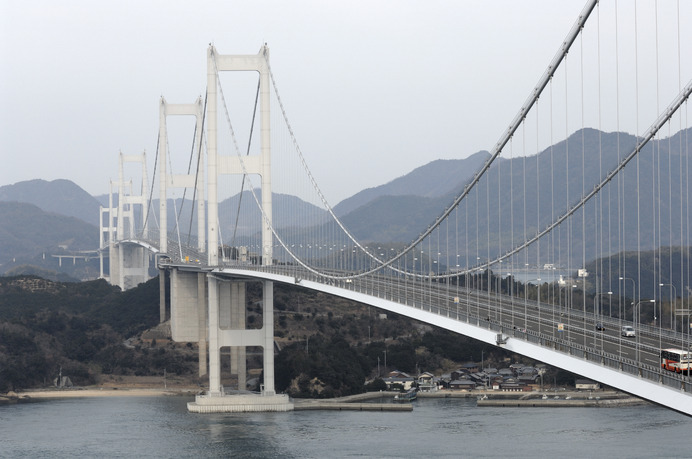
(58, 196)
(433, 180)
(29, 235)
(398, 211)
(551, 182)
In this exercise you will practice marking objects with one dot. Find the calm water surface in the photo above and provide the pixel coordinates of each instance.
(161, 427)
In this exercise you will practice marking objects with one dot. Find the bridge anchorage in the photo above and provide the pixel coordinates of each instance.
(592, 208)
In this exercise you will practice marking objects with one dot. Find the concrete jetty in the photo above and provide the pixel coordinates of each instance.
(305, 405)
(560, 400)
(353, 403)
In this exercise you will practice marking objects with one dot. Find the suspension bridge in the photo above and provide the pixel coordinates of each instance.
(589, 180)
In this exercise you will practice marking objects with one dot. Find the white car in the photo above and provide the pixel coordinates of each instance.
(628, 331)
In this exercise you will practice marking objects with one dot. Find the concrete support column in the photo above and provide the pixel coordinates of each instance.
(145, 264)
(238, 353)
(162, 295)
(184, 306)
(114, 265)
(214, 347)
(134, 265)
(121, 265)
(202, 317)
(232, 322)
(268, 328)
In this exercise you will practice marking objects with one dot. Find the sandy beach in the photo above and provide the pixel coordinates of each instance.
(104, 392)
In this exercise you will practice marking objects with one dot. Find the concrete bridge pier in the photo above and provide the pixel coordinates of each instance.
(202, 313)
(114, 265)
(185, 299)
(189, 311)
(129, 265)
(162, 295)
(227, 329)
(232, 317)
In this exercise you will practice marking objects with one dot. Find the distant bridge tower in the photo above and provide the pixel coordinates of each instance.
(108, 225)
(188, 293)
(194, 180)
(129, 262)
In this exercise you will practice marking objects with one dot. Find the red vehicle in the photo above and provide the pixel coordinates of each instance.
(676, 360)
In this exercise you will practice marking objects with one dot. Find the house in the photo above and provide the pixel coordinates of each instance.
(514, 386)
(470, 367)
(586, 384)
(527, 378)
(426, 382)
(399, 378)
(495, 381)
(462, 384)
(458, 374)
(444, 380)
(527, 371)
(506, 373)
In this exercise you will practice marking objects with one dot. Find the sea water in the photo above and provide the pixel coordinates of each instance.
(161, 427)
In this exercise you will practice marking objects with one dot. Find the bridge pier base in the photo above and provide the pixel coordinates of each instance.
(240, 403)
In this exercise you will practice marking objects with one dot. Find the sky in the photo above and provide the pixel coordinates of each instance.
(377, 87)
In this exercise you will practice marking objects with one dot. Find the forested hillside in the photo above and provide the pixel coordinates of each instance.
(329, 346)
(79, 327)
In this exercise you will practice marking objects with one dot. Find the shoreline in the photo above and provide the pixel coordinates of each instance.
(352, 402)
(55, 394)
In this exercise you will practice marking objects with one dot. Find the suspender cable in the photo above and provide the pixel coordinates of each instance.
(242, 184)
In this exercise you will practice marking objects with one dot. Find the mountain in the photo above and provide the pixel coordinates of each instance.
(29, 235)
(433, 180)
(58, 196)
(392, 218)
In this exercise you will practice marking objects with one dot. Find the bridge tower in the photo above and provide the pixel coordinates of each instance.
(107, 232)
(129, 263)
(227, 297)
(168, 179)
(187, 294)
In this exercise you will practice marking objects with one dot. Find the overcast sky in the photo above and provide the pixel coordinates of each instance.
(381, 87)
